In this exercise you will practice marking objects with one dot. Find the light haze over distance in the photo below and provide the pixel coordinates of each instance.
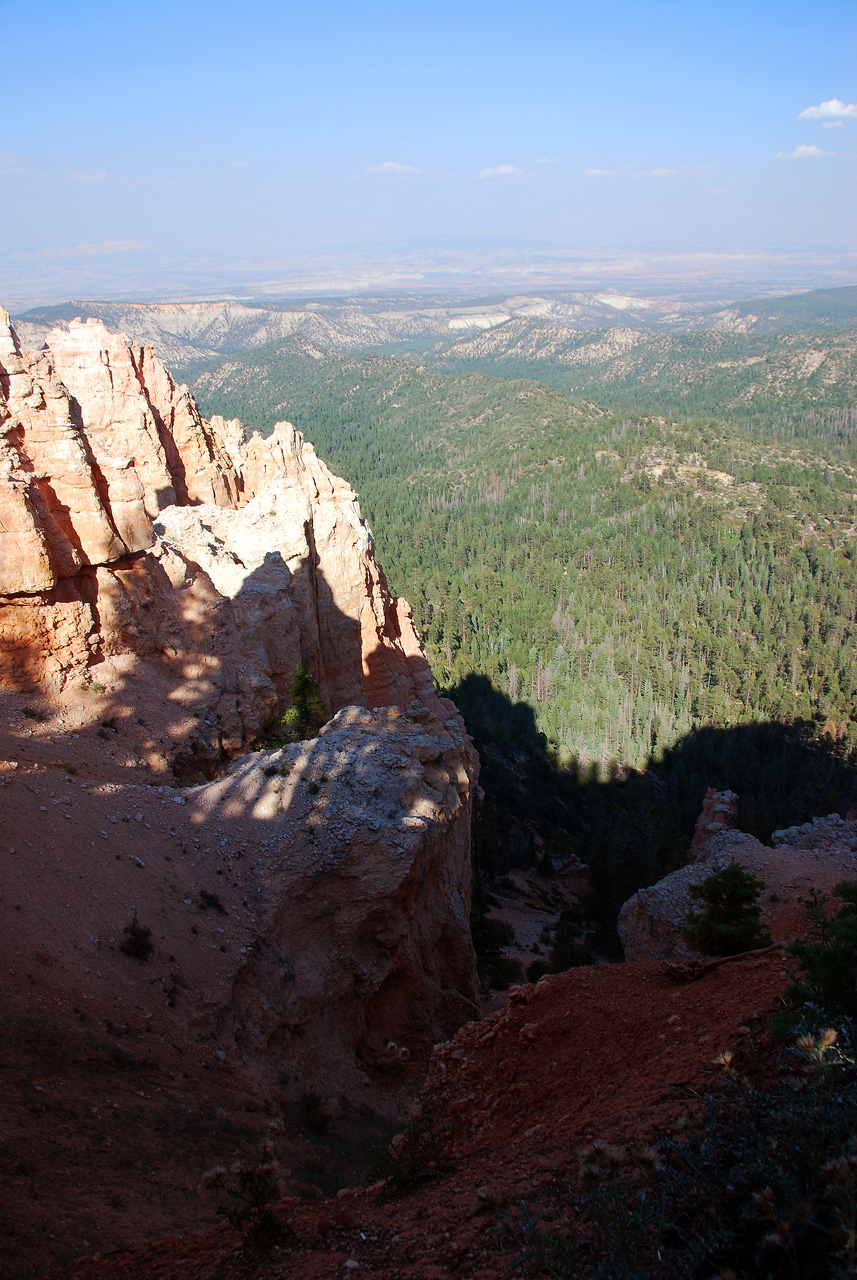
(184, 146)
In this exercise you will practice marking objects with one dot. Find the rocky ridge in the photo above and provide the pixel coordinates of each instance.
(307, 905)
(816, 855)
(160, 549)
(190, 333)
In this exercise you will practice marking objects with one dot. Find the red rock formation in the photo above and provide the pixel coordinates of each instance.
(174, 579)
(53, 501)
(814, 856)
(141, 542)
(160, 581)
(719, 811)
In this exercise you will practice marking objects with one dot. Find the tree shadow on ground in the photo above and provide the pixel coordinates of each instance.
(631, 827)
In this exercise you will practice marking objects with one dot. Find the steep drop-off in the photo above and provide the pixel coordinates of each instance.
(307, 906)
(144, 545)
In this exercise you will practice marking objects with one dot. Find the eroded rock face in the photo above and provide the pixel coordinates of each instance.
(158, 553)
(363, 958)
(188, 574)
(54, 515)
(814, 856)
(133, 414)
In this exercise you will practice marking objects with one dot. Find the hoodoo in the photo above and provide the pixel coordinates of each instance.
(162, 581)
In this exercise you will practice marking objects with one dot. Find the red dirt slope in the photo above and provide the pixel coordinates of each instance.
(614, 1051)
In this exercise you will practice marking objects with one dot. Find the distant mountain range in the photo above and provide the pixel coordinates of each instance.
(520, 327)
(702, 372)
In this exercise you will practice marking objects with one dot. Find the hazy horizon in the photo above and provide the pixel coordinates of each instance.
(202, 152)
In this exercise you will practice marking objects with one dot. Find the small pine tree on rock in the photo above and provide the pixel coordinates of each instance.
(304, 717)
(730, 919)
(306, 699)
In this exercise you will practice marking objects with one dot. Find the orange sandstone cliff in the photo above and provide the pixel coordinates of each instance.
(142, 546)
(160, 581)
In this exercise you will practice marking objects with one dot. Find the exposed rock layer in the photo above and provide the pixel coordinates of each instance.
(816, 855)
(149, 549)
(172, 577)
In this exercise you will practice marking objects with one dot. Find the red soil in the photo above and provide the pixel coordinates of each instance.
(613, 1051)
(112, 1105)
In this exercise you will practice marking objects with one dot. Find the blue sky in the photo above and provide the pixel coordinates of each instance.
(204, 137)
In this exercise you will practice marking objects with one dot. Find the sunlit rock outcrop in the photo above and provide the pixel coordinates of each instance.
(362, 958)
(147, 547)
(154, 563)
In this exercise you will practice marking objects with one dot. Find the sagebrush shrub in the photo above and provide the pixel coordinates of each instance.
(137, 940)
(761, 1183)
(417, 1154)
(246, 1191)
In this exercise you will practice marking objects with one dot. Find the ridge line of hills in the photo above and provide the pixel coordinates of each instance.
(188, 334)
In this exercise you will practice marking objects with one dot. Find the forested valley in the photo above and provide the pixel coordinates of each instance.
(627, 606)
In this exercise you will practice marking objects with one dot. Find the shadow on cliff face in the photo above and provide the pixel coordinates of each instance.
(360, 873)
(632, 827)
(346, 857)
(187, 676)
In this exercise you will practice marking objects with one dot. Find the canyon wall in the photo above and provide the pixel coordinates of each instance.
(161, 579)
(147, 548)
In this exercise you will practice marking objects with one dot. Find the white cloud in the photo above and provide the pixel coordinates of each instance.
(832, 124)
(79, 175)
(392, 166)
(11, 164)
(238, 164)
(545, 160)
(809, 151)
(832, 109)
(659, 173)
(603, 173)
(502, 171)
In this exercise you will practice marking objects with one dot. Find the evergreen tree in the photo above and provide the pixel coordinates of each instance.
(730, 919)
(306, 701)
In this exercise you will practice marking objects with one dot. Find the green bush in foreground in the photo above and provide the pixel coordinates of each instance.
(828, 957)
(730, 919)
(762, 1183)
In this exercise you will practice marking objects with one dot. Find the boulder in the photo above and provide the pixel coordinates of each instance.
(362, 959)
(814, 856)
